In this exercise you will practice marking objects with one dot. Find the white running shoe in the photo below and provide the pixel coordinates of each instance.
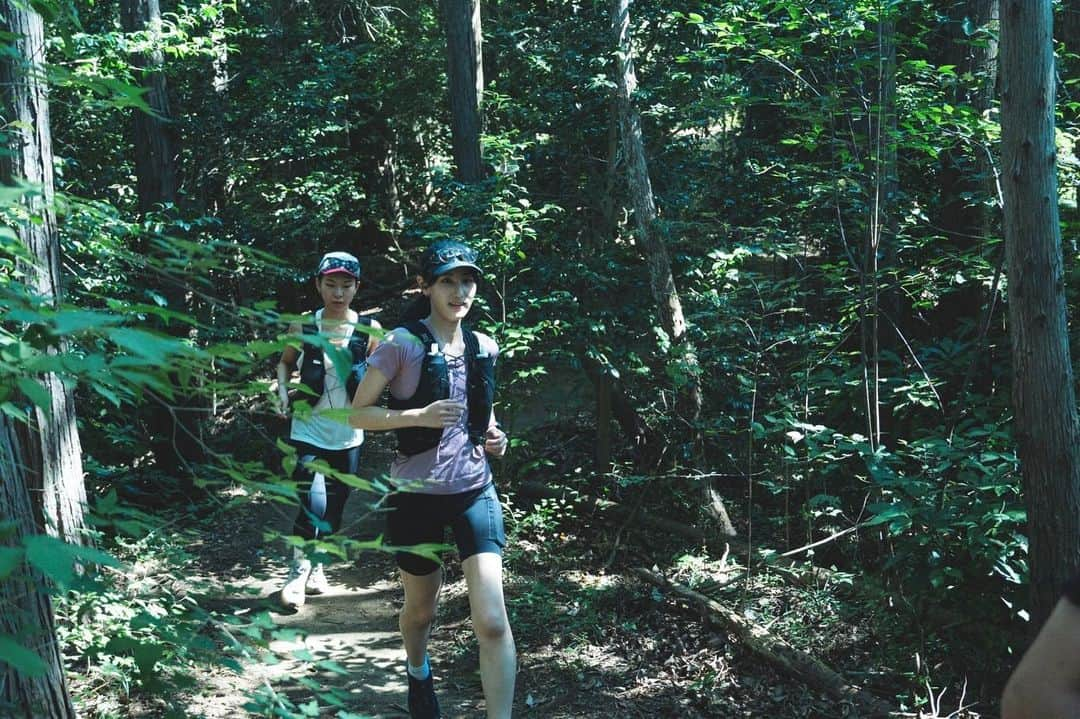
(317, 582)
(292, 594)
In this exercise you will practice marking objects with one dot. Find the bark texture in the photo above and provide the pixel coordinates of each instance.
(1046, 428)
(54, 454)
(154, 134)
(465, 76)
(27, 614)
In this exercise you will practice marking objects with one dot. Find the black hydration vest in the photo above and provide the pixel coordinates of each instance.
(312, 371)
(435, 385)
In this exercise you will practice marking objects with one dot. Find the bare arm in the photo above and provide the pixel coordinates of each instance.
(285, 367)
(367, 415)
(1046, 683)
(496, 442)
(373, 339)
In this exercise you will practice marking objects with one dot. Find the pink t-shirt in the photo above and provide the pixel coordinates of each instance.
(454, 465)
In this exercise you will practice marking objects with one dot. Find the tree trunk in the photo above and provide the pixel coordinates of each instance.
(491, 58)
(174, 431)
(1046, 425)
(611, 174)
(465, 76)
(27, 615)
(155, 137)
(661, 278)
(54, 454)
(220, 54)
(386, 167)
(967, 171)
(880, 336)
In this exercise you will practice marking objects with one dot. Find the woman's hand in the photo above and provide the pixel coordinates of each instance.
(282, 407)
(443, 413)
(496, 442)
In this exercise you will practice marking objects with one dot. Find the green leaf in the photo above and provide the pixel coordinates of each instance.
(36, 394)
(70, 321)
(56, 559)
(21, 658)
(303, 655)
(154, 348)
(10, 557)
(106, 393)
(887, 514)
(331, 666)
(14, 411)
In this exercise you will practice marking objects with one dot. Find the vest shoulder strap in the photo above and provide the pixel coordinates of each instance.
(358, 341)
(421, 332)
(472, 344)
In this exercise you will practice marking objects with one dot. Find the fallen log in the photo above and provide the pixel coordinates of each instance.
(777, 651)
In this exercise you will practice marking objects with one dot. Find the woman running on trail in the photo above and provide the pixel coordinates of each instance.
(321, 435)
(441, 390)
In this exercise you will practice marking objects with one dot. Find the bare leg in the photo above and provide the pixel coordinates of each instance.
(418, 612)
(498, 658)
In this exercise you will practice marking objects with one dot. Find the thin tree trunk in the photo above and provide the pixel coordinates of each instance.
(212, 187)
(465, 76)
(220, 53)
(155, 138)
(661, 277)
(1067, 32)
(54, 454)
(611, 174)
(881, 250)
(490, 50)
(1046, 424)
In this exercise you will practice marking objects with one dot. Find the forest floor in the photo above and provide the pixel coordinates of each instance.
(593, 639)
(622, 657)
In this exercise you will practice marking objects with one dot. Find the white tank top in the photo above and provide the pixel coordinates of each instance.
(322, 430)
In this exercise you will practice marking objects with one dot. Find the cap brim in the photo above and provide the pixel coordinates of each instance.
(453, 265)
(338, 271)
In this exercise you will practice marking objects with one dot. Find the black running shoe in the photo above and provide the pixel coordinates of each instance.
(423, 703)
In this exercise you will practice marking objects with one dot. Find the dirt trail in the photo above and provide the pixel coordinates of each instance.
(592, 643)
(354, 625)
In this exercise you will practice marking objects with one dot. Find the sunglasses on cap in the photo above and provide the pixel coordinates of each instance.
(453, 253)
(331, 264)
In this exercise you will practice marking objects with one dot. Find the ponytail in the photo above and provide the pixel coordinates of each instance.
(417, 310)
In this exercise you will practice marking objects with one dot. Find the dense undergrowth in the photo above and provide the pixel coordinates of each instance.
(855, 396)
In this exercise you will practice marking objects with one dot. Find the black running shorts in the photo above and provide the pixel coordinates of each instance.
(475, 517)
